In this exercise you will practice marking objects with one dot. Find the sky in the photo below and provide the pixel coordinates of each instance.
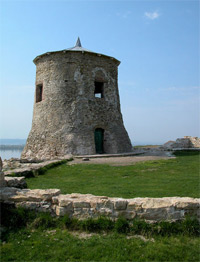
(157, 43)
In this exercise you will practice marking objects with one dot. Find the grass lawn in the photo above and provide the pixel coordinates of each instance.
(61, 245)
(38, 237)
(28, 236)
(161, 178)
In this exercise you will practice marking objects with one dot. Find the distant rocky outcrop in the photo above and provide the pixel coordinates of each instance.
(185, 142)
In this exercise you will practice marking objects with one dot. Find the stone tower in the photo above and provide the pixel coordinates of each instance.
(76, 106)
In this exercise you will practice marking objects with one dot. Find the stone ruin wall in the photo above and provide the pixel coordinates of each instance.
(89, 206)
(65, 120)
(185, 142)
(83, 206)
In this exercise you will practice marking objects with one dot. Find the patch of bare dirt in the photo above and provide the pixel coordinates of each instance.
(83, 235)
(118, 161)
(142, 238)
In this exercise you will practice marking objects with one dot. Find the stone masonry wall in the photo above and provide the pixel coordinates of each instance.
(90, 206)
(65, 120)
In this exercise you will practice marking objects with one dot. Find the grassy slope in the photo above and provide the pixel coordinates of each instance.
(62, 246)
(174, 177)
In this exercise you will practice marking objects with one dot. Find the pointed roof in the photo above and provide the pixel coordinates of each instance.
(78, 42)
(77, 48)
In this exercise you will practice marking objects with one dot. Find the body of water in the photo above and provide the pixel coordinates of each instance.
(9, 153)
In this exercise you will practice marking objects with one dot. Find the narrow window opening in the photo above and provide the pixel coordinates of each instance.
(39, 90)
(98, 91)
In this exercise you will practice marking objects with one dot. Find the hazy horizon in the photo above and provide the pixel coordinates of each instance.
(16, 141)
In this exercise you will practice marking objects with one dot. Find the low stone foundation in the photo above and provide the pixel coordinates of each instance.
(18, 182)
(89, 206)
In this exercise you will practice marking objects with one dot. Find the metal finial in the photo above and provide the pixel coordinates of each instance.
(78, 42)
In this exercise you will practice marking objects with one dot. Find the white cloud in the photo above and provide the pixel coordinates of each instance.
(152, 15)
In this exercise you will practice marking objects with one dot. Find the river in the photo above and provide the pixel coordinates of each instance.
(9, 153)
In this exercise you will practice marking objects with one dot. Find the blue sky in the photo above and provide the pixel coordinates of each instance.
(157, 43)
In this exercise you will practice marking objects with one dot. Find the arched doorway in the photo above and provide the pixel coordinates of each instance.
(99, 137)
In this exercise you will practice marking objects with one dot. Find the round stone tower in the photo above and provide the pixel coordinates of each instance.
(76, 106)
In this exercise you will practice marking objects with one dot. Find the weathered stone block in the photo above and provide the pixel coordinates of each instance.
(120, 204)
(135, 204)
(188, 204)
(103, 203)
(28, 205)
(6, 193)
(18, 182)
(61, 211)
(104, 211)
(126, 214)
(81, 204)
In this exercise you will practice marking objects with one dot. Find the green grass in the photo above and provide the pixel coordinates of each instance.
(160, 178)
(41, 246)
(39, 237)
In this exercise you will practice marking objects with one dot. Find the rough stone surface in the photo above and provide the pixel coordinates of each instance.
(65, 120)
(2, 179)
(185, 142)
(18, 182)
(90, 206)
(19, 168)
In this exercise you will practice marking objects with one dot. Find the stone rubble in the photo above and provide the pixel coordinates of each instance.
(83, 206)
(19, 167)
(185, 142)
(18, 182)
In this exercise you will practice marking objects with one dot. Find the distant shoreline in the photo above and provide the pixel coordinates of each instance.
(11, 147)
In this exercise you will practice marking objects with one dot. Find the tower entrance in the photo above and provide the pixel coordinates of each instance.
(99, 137)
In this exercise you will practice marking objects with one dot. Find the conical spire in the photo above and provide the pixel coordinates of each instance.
(78, 42)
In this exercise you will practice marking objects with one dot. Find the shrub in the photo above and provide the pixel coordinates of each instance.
(105, 223)
(91, 225)
(69, 223)
(122, 226)
(43, 221)
(15, 218)
(141, 227)
(168, 228)
(191, 226)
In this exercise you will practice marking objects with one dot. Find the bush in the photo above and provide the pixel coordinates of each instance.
(141, 227)
(105, 223)
(69, 223)
(191, 226)
(43, 221)
(122, 226)
(15, 218)
(91, 225)
(167, 229)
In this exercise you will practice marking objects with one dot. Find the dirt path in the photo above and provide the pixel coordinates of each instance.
(118, 161)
